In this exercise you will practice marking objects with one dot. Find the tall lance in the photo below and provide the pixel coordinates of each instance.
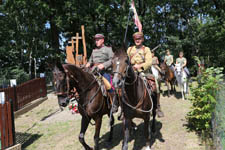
(156, 47)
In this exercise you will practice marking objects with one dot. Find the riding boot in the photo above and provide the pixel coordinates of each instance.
(158, 110)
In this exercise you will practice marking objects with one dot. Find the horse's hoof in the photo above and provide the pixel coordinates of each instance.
(148, 148)
(159, 113)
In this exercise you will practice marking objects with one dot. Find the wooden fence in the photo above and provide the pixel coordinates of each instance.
(16, 98)
(7, 125)
(26, 92)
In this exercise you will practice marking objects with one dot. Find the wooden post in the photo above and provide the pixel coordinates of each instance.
(15, 99)
(13, 122)
(79, 58)
(77, 50)
(84, 45)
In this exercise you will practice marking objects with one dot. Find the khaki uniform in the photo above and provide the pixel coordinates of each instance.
(140, 56)
(169, 60)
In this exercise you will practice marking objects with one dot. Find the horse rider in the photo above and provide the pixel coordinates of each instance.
(102, 58)
(141, 59)
(155, 61)
(183, 61)
(169, 60)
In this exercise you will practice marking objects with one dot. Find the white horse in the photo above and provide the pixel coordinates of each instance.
(155, 72)
(181, 77)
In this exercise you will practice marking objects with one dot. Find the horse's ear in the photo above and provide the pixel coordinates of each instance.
(58, 64)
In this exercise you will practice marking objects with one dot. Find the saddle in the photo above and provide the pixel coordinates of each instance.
(151, 82)
(103, 83)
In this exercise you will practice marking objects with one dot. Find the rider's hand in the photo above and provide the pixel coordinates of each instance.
(137, 66)
(88, 65)
(101, 66)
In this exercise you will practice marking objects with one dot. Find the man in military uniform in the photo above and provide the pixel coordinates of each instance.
(183, 61)
(140, 56)
(169, 59)
(141, 59)
(102, 58)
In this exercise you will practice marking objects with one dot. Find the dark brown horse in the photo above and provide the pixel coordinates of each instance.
(136, 102)
(168, 76)
(91, 103)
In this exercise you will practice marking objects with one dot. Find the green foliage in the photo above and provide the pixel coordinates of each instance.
(203, 98)
(42, 28)
(219, 120)
(14, 73)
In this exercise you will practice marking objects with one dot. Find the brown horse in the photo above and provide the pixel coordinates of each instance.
(168, 76)
(136, 102)
(91, 103)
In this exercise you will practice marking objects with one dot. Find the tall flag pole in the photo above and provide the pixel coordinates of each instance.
(137, 22)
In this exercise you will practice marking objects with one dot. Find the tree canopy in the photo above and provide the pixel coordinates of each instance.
(40, 28)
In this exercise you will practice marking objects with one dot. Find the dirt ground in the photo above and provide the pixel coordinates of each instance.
(47, 128)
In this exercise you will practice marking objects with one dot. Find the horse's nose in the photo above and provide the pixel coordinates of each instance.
(115, 82)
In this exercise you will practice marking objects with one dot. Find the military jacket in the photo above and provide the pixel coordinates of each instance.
(181, 61)
(169, 60)
(102, 55)
(140, 56)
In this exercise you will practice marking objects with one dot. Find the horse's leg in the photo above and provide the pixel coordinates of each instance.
(153, 120)
(84, 125)
(111, 128)
(147, 132)
(182, 90)
(174, 85)
(98, 124)
(168, 88)
(126, 126)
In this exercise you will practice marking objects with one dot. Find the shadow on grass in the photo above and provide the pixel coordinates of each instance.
(137, 136)
(26, 139)
(53, 113)
(176, 94)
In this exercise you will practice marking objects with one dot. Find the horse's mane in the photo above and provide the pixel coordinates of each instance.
(119, 51)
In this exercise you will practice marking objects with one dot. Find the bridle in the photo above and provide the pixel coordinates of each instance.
(70, 94)
(124, 75)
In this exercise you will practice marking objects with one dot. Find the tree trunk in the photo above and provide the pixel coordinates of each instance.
(30, 64)
(54, 29)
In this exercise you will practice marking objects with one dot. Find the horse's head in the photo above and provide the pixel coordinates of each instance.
(163, 67)
(61, 84)
(179, 69)
(120, 63)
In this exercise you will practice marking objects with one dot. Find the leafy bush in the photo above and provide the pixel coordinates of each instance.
(14, 73)
(203, 98)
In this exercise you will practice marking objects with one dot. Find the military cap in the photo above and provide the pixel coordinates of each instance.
(99, 36)
(138, 35)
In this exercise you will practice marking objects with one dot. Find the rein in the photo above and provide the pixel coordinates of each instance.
(83, 92)
(124, 93)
